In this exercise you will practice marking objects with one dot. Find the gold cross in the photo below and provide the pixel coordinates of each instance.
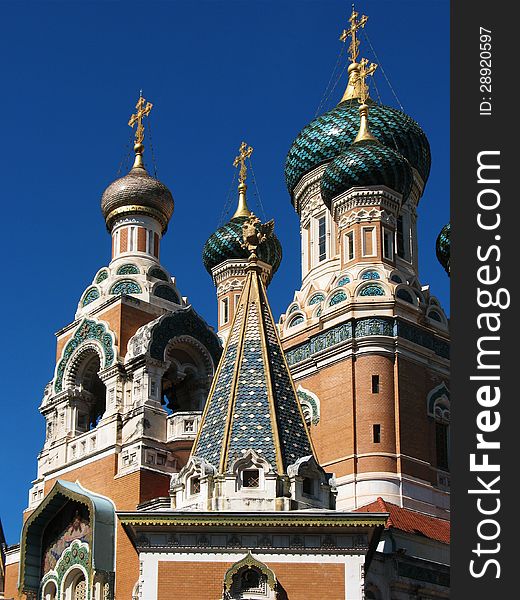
(245, 152)
(143, 110)
(354, 26)
(364, 72)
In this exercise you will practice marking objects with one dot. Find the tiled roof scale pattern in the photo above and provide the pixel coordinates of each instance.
(330, 134)
(253, 404)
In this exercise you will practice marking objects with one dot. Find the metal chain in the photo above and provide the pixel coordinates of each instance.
(381, 104)
(125, 160)
(382, 70)
(151, 148)
(227, 203)
(326, 93)
(257, 190)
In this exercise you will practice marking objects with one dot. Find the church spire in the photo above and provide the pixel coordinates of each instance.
(245, 152)
(253, 403)
(143, 109)
(253, 450)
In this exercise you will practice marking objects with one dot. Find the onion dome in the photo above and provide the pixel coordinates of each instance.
(330, 134)
(443, 247)
(366, 162)
(227, 242)
(138, 192)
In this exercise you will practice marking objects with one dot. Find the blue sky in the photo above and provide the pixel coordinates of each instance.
(217, 72)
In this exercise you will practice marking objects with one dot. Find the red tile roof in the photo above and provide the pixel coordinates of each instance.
(411, 521)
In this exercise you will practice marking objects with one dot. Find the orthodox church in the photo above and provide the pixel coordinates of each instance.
(285, 459)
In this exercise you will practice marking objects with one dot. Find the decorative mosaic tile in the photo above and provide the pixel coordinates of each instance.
(372, 290)
(337, 298)
(316, 299)
(364, 164)
(128, 269)
(226, 243)
(126, 286)
(90, 295)
(370, 275)
(343, 281)
(332, 133)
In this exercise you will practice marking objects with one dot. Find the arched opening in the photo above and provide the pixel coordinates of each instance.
(74, 586)
(249, 583)
(49, 591)
(186, 383)
(442, 433)
(92, 403)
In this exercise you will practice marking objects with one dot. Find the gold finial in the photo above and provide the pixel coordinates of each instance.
(364, 131)
(355, 87)
(352, 32)
(245, 151)
(254, 232)
(143, 110)
(364, 71)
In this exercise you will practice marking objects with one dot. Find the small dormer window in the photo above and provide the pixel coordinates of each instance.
(194, 486)
(251, 478)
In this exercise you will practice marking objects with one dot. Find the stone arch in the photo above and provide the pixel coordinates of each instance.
(187, 379)
(371, 288)
(49, 589)
(75, 584)
(297, 318)
(250, 578)
(82, 376)
(96, 334)
(166, 292)
(406, 294)
(438, 403)
(439, 396)
(91, 551)
(184, 321)
(310, 404)
(249, 462)
(91, 294)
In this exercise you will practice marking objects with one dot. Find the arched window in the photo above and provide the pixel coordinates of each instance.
(438, 403)
(250, 583)
(92, 403)
(249, 579)
(74, 586)
(185, 384)
(442, 434)
(298, 320)
(49, 591)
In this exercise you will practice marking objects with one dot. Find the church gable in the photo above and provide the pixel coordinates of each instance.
(68, 541)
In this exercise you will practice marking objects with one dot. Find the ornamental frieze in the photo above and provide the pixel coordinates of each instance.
(376, 326)
(88, 330)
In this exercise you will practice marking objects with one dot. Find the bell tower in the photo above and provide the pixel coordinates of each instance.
(365, 339)
(133, 369)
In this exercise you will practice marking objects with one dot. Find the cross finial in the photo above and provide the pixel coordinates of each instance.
(352, 32)
(245, 151)
(143, 110)
(364, 72)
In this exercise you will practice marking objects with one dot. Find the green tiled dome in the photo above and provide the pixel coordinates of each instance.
(443, 247)
(331, 133)
(366, 163)
(226, 243)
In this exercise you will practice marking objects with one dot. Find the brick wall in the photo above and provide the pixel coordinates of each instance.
(11, 581)
(204, 581)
